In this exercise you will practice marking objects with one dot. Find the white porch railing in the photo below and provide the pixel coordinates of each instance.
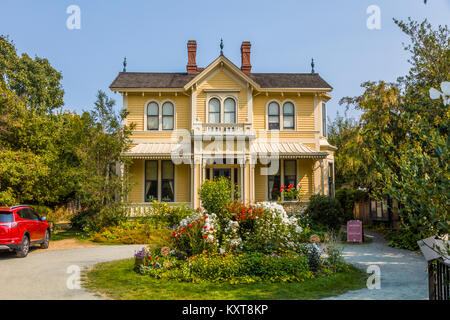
(143, 209)
(223, 129)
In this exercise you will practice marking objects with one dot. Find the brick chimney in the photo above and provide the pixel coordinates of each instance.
(192, 53)
(246, 67)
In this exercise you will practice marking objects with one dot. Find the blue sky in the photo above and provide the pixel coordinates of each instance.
(285, 35)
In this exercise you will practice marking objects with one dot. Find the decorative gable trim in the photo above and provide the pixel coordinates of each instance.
(221, 61)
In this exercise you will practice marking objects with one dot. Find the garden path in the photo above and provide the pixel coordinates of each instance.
(403, 272)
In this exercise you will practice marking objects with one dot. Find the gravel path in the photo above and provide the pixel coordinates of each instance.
(44, 273)
(403, 272)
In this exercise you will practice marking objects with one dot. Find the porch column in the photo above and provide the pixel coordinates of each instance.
(242, 165)
(192, 187)
(252, 183)
(282, 176)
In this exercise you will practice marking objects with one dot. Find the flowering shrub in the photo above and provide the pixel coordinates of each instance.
(196, 234)
(262, 227)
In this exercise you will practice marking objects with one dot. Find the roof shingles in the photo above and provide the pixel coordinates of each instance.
(134, 80)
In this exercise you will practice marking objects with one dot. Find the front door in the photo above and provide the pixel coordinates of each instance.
(222, 173)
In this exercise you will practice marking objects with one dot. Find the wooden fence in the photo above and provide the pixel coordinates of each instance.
(361, 211)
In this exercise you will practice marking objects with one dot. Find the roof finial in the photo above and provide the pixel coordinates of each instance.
(312, 66)
(125, 64)
(221, 47)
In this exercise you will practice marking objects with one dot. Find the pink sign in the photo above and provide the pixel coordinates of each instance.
(354, 231)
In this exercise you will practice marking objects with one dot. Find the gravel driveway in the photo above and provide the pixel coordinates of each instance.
(403, 272)
(43, 274)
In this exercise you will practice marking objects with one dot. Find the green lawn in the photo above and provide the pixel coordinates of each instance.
(69, 234)
(79, 236)
(118, 280)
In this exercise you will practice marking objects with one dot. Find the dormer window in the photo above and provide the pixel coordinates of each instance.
(274, 116)
(152, 116)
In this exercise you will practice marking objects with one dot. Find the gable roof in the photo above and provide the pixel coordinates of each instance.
(156, 80)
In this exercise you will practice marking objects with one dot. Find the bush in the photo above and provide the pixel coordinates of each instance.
(161, 215)
(325, 212)
(96, 219)
(229, 267)
(334, 261)
(196, 234)
(132, 232)
(216, 194)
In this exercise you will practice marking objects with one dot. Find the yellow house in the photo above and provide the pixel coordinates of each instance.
(261, 130)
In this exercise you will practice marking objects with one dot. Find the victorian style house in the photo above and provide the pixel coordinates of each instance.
(261, 130)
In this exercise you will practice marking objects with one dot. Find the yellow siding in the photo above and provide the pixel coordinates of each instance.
(260, 184)
(136, 178)
(137, 104)
(306, 178)
(182, 183)
(304, 111)
(221, 80)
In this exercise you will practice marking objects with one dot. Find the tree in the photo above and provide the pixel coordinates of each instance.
(34, 79)
(50, 157)
(354, 168)
(406, 134)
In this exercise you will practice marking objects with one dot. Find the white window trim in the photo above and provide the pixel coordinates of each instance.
(281, 104)
(222, 98)
(160, 104)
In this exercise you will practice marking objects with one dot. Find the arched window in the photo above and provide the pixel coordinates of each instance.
(167, 116)
(274, 116)
(152, 116)
(288, 115)
(214, 110)
(229, 111)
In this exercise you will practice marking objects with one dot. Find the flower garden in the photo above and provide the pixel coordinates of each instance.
(229, 242)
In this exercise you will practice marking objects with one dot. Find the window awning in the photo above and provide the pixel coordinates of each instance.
(156, 150)
(286, 149)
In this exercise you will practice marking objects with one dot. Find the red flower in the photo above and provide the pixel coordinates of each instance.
(205, 236)
(211, 229)
(189, 225)
(204, 227)
(291, 186)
